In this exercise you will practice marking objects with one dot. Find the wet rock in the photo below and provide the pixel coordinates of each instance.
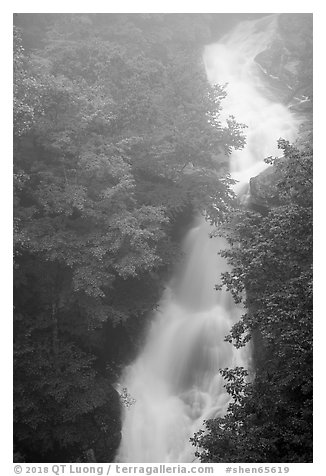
(286, 65)
(263, 191)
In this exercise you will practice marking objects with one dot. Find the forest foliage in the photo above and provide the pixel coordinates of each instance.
(269, 418)
(116, 135)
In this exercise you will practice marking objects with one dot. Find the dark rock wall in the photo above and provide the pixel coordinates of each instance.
(286, 69)
(286, 65)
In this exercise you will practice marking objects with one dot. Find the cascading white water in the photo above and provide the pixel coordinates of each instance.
(175, 380)
(232, 61)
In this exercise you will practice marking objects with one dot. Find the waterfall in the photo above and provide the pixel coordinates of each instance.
(231, 61)
(175, 380)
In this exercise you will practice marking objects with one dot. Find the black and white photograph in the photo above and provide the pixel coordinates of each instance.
(163, 240)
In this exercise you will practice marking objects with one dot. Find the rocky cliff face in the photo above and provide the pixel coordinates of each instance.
(286, 68)
(287, 64)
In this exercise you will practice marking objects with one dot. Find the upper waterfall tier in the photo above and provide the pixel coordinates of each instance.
(232, 61)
